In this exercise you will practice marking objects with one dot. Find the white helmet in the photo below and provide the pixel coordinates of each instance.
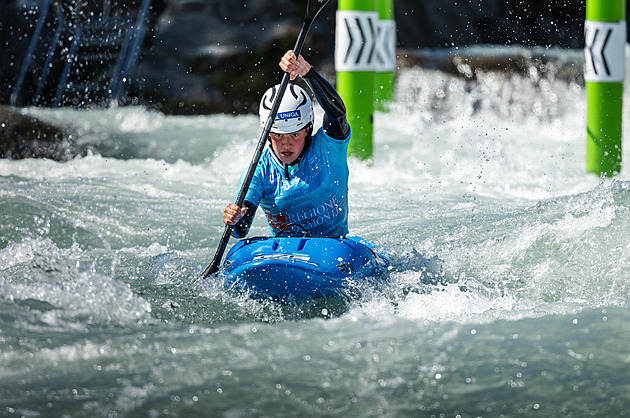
(295, 111)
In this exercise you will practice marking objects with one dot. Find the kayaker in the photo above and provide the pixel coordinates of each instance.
(301, 180)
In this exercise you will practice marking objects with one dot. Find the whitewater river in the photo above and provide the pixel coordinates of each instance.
(508, 294)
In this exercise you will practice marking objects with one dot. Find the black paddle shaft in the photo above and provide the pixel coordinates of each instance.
(312, 9)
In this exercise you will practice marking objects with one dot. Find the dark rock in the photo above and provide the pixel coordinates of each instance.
(23, 136)
(435, 23)
(534, 64)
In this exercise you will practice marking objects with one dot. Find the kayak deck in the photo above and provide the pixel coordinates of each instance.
(293, 268)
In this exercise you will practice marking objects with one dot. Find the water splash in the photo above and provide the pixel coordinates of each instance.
(67, 291)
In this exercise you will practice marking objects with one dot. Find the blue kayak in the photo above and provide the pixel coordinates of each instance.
(295, 269)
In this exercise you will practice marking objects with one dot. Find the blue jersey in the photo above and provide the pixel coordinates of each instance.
(314, 198)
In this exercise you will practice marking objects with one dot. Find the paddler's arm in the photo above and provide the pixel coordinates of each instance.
(335, 121)
(241, 218)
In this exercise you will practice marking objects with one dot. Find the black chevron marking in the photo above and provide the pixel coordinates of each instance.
(363, 39)
(379, 37)
(604, 52)
(591, 52)
(345, 60)
(373, 47)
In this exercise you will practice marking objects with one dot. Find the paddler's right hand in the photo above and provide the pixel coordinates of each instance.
(295, 66)
(232, 213)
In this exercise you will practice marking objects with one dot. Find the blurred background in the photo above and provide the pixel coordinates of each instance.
(216, 56)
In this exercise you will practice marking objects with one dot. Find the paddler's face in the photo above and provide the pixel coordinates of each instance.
(288, 146)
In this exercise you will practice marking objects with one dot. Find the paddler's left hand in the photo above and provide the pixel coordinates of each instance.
(294, 65)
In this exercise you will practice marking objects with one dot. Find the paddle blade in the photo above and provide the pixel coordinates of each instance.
(314, 7)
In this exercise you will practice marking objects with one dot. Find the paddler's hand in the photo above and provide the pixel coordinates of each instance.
(294, 65)
(232, 213)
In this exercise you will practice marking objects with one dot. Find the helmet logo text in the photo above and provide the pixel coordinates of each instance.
(289, 115)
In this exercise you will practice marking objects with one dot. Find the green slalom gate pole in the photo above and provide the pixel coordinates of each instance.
(355, 52)
(604, 52)
(385, 56)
